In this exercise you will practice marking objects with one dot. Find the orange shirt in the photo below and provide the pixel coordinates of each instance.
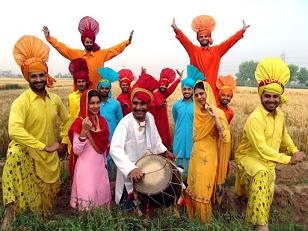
(94, 59)
(228, 112)
(207, 59)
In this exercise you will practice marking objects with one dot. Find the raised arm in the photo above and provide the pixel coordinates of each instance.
(65, 51)
(187, 44)
(119, 48)
(226, 45)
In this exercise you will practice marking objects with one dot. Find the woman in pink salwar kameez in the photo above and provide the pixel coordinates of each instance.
(89, 137)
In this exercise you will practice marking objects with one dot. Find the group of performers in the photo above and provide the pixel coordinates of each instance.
(106, 136)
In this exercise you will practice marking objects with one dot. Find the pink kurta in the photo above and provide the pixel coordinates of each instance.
(90, 187)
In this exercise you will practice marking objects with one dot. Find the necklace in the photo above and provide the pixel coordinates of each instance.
(141, 125)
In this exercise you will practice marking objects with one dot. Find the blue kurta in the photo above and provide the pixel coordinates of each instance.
(112, 112)
(183, 116)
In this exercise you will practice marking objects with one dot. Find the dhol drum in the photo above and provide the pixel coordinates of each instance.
(162, 182)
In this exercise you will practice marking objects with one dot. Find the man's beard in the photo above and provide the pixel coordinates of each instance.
(187, 97)
(34, 88)
(89, 48)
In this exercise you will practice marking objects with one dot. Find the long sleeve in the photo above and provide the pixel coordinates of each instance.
(174, 113)
(254, 131)
(17, 131)
(226, 45)
(65, 122)
(172, 87)
(158, 147)
(115, 50)
(119, 113)
(64, 50)
(287, 142)
(117, 151)
(78, 146)
(187, 44)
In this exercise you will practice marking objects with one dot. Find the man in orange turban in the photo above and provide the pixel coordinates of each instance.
(93, 54)
(207, 58)
(226, 86)
(31, 174)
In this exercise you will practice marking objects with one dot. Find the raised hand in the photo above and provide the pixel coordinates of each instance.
(245, 26)
(180, 73)
(46, 31)
(173, 25)
(131, 36)
(86, 125)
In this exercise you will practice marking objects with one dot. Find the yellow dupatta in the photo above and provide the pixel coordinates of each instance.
(203, 125)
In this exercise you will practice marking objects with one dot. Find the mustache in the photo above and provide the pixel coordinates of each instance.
(139, 110)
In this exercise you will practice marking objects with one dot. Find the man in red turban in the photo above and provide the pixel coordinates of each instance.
(159, 106)
(135, 136)
(93, 54)
(79, 70)
(205, 57)
(125, 78)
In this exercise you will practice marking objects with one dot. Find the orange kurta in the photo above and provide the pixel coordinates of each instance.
(207, 59)
(228, 112)
(95, 59)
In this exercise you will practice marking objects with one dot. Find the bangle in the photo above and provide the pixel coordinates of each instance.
(82, 139)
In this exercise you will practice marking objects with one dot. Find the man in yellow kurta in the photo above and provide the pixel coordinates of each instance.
(264, 134)
(92, 53)
(80, 72)
(31, 174)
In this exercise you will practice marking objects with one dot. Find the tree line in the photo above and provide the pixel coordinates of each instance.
(246, 75)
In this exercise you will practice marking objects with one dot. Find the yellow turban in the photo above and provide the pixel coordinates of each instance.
(272, 74)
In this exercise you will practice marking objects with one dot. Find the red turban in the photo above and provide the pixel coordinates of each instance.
(126, 76)
(79, 69)
(144, 87)
(89, 27)
(167, 76)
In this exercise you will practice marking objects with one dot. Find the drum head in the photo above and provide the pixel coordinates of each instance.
(158, 174)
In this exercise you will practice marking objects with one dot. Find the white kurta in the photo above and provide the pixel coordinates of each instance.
(128, 145)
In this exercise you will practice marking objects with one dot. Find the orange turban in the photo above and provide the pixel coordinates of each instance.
(204, 25)
(31, 54)
(226, 84)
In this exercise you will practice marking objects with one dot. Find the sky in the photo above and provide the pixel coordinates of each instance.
(276, 27)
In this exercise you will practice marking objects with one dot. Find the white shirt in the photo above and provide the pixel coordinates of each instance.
(129, 144)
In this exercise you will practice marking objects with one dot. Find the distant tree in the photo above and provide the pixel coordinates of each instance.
(302, 75)
(293, 72)
(246, 74)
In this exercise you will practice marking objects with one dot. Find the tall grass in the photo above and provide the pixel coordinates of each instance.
(245, 100)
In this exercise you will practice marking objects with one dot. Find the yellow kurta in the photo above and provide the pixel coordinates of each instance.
(94, 59)
(208, 161)
(31, 175)
(32, 123)
(74, 104)
(258, 151)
